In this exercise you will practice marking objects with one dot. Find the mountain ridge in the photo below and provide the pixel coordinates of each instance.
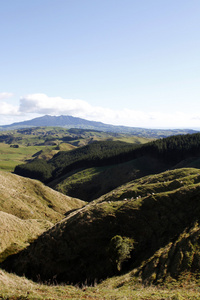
(75, 122)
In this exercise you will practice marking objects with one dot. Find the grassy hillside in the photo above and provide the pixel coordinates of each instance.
(38, 136)
(93, 170)
(95, 154)
(30, 199)
(23, 145)
(121, 287)
(16, 234)
(89, 184)
(149, 227)
(28, 208)
(141, 236)
(11, 157)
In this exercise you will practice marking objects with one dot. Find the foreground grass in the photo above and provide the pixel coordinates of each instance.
(14, 287)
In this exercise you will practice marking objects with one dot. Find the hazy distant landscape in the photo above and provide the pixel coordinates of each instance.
(121, 210)
(74, 122)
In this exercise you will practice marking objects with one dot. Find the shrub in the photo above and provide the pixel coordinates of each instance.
(119, 250)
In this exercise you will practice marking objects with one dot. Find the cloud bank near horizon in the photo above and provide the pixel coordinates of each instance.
(40, 104)
(7, 109)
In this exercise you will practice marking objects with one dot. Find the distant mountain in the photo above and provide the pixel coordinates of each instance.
(63, 121)
(73, 122)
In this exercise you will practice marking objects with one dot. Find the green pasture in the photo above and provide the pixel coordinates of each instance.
(11, 157)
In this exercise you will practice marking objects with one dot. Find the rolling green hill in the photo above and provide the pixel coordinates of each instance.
(95, 169)
(48, 136)
(91, 183)
(16, 234)
(28, 208)
(141, 231)
(30, 199)
(149, 227)
(24, 145)
(95, 154)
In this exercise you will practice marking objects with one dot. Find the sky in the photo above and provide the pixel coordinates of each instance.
(121, 62)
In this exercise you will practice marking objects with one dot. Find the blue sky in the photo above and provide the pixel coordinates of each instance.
(124, 62)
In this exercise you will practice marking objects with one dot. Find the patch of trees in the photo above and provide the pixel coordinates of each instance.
(82, 131)
(6, 138)
(26, 131)
(174, 149)
(37, 169)
(170, 150)
(94, 154)
(71, 138)
(9, 139)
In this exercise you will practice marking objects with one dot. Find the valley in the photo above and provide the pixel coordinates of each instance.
(89, 214)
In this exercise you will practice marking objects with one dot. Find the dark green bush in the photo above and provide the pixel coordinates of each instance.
(119, 250)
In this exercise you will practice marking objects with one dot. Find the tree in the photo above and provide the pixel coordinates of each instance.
(120, 249)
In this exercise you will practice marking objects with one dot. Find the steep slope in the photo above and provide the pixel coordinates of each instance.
(120, 232)
(177, 260)
(30, 199)
(28, 208)
(91, 183)
(16, 234)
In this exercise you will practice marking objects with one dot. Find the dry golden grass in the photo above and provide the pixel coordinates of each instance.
(30, 199)
(15, 287)
(15, 234)
(27, 209)
(66, 147)
(153, 221)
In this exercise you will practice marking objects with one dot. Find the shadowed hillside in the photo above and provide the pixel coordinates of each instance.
(123, 231)
(91, 183)
(93, 170)
(16, 234)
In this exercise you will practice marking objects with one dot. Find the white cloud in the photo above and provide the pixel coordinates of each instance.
(40, 104)
(8, 109)
(5, 95)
